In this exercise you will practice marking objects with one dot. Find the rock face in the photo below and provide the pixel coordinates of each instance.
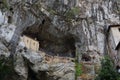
(30, 65)
(63, 27)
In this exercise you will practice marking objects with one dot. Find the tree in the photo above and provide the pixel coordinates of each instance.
(108, 71)
(5, 69)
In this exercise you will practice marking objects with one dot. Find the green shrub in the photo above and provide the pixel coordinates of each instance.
(4, 5)
(78, 68)
(5, 69)
(108, 71)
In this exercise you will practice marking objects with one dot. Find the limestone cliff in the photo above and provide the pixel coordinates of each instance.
(71, 28)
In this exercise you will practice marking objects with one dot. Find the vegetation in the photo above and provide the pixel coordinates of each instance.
(72, 13)
(78, 68)
(68, 15)
(51, 11)
(4, 5)
(108, 72)
(5, 69)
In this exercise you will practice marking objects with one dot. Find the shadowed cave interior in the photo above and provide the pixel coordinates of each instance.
(52, 45)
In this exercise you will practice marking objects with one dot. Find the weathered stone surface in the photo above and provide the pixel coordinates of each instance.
(4, 52)
(50, 21)
(26, 60)
(63, 71)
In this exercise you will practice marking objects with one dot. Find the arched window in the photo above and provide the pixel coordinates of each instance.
(119, 29)
(27, 41)
(34, 44)
(9, 19)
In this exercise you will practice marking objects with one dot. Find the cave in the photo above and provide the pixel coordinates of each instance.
(52, 45)
(86, 57)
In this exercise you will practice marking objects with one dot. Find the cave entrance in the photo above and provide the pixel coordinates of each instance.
(52, 45)
(86, 57)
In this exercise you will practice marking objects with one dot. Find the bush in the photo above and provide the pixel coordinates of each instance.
(4, 5)
(5, 69)
(78, 68)
(108, 71)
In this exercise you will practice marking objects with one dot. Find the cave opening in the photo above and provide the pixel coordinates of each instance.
(86, 57)
(52, 45)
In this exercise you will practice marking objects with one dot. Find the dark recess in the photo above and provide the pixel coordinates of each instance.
(64, 46)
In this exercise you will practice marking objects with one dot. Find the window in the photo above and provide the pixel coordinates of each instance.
(9, 19)
(27, 41)
(119, 29)
(34, 43)
(43, 21)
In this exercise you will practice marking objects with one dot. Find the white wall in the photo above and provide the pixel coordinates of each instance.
(116, 35)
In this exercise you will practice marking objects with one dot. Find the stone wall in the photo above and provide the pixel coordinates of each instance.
(55, 59)
(30, 43)
(116, 35)
(113, 41)
(58, 59)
